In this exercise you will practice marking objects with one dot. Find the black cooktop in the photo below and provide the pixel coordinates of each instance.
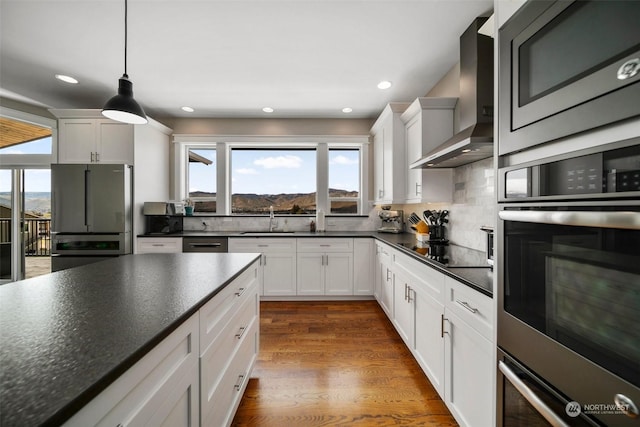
(447, 254)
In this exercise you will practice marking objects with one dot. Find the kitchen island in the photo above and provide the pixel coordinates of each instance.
(66, 336)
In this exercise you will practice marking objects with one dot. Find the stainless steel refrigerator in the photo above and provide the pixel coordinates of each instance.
(91, 213)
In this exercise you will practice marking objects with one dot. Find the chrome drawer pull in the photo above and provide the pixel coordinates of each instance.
(240, 292)
(241, 332)
(467, 306)
(238, 384)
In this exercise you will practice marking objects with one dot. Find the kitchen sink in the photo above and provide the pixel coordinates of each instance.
(267, 233)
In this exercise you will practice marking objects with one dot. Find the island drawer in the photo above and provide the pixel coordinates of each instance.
(474, 308)
(217, 313)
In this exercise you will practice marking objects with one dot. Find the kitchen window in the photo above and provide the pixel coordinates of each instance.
(282, 178)
(247, 175)
(344, 180)
(201, 179)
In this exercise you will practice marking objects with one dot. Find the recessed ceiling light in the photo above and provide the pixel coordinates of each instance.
(466, 150)
(188, 109)
(347, 109)
(385, 84)
(267, 110)
(67, 79)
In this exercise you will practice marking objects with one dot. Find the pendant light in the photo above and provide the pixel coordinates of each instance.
(123, 107)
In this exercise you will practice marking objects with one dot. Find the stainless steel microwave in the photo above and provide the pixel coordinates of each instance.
(567, 67)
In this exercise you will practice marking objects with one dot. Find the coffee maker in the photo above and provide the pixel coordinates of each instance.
(392, 221)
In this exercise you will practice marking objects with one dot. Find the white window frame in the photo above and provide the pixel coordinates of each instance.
(223, 145)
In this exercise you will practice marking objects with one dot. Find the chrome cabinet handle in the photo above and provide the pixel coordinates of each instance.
(265, 259)
(409, 299)
(238, 385)
(417, 188)
(241, 332)
(240, 292)
(467, 306)
(442, 331)
(159, 245)
(387, 274)
(97, 156)
(531, 397)
(406, 290)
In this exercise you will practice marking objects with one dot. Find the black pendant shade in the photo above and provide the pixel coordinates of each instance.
(123, 107)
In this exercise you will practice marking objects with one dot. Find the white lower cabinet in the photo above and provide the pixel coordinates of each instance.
(155, 245)
(160, 389)
(363, 266)
(468, 331)
(325, 267)
(197, 375)
(468, 386)
(448, 327)
(229, 341)
(278, 262)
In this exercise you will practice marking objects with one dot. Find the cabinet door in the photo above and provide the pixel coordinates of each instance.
(76, 141)
(115, 142)
(160, 390)
(403, 308)
(469, 377)
(311, 273)
(413, 136)
(378, 168)
(386, 289)
(279, 277)
(363, 267)
(429, 345)
(338, 277)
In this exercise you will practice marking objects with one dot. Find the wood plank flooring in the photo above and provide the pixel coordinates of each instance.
(336, 364)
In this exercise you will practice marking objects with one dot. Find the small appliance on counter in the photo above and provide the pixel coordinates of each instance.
(392, 221)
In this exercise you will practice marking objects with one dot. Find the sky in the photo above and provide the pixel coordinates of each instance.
(36, 180)
(277, 171)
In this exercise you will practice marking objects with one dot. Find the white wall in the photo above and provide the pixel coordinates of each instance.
(151, 169)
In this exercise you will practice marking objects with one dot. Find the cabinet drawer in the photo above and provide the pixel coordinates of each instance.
(159, 245)
(217, 313)
(261, 245)
(215, 359)
(471, 306)
(218, 407)
(325, 245)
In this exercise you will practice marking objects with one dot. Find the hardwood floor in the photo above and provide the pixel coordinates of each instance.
(335, 364)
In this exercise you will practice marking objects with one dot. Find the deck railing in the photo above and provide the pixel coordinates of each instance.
(36, 233)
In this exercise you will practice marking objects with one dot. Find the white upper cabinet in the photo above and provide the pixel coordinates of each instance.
(389, 158)
(95, 141)
(428, 122)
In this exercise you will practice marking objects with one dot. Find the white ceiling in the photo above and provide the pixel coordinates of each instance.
(230, 58)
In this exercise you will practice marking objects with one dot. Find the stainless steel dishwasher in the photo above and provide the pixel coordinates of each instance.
(205, 244)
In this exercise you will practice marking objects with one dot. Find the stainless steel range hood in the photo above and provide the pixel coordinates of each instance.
(475, 141)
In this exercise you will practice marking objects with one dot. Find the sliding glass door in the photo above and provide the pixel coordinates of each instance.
(25, 223)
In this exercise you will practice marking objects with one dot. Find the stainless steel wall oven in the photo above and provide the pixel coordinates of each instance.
(569, 289)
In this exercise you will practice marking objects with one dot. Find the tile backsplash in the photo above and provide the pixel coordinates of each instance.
(473, 206)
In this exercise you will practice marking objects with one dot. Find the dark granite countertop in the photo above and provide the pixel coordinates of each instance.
(67, 335)
(477, 274)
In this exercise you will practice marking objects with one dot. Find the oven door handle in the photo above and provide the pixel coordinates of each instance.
(531, 397)
(625, 220)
